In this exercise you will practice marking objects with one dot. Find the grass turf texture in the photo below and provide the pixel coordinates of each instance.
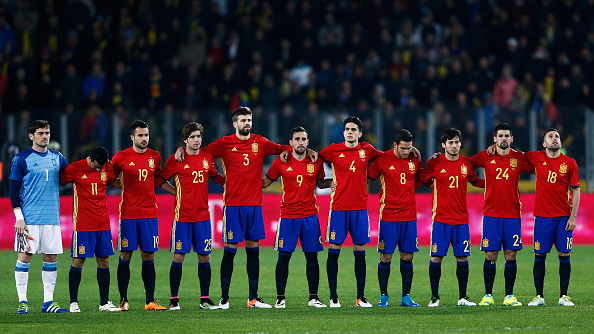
(298, 317)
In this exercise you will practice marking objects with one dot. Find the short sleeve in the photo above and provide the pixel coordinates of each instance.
(63, 162)
(427, 173)
(574, 177)
(478, 160)
(67, 175)
(169, 169)
(18, 169)
(273, 172)
(374, 169)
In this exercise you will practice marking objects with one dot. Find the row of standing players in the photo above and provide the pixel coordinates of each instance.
(137, 171)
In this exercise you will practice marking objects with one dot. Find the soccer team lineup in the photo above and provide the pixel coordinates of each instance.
(37, 173)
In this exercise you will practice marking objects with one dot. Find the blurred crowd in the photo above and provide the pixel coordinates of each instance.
(199, 58)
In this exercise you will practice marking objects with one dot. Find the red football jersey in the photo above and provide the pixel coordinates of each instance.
(554, 177)
(137, 175)
(243, 161)
(449, 187)
(397, 177)
(299, 185)
(349, 172)
(502, 195)
(89, 203)
(191, 184)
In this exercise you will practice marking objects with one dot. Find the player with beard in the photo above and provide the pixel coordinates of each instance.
(299, 214)
(555, 212)
(137, 167)
(502, 226)
(242, 156)
(449, 174)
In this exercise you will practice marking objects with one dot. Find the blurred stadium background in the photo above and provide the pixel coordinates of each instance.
(92, 67)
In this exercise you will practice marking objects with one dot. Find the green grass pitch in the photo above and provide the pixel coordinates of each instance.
(297, 317)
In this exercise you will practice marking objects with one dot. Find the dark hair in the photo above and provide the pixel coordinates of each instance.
(100, 155)
(548, 130)
(354, 119)
(297, 129)
(502, 126)
(449, 134)
(240, 112)
(403, 135)
(38, 124)
(138, 124)
(191, 127)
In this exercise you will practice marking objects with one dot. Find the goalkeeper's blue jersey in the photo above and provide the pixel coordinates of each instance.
(39, 174)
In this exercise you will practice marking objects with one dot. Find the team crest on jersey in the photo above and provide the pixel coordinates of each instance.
(151, 163)
(205, 164)
(310, 168)
(230, 235)
(54, 162)
(513, 162)
(103, 176)
(563, 169)
(434, 248)
(178, 245)
(485, 242)
(255, 147)
(280, 243)
(536, 245)
(464, 170)
(332, 235)
(124, 242)
(381, 245)
(81, 249)
(362, 153)
(411, 166)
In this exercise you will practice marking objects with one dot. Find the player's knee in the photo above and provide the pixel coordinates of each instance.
(461, 258)
(232, 245)
(147, 256)
(563, 254)
(126, 256)
(510, 255)
(358, 248)
(102, 262)
(251, 243)
(179, 258)
(492, 255)
(436, 259)
(78, 262)
(49, 257)
(405, 256)
(386, 257)
(204, 258)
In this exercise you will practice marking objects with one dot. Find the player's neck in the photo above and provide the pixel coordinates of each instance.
(190, 151)
(242, 137)
(553, 154)
(351, 145)
(503, 152)
(39, 149)
(299, 157)
(452, 157)
(138, 149)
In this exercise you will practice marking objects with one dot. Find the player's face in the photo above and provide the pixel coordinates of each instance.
(94, 165)
(352, 133)
(194, 141)
(243, 125)
(299, 142)
(452, 146)
(41, 137)
(403, 149)
(140, 139)
(503, 139)
(552, 141)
